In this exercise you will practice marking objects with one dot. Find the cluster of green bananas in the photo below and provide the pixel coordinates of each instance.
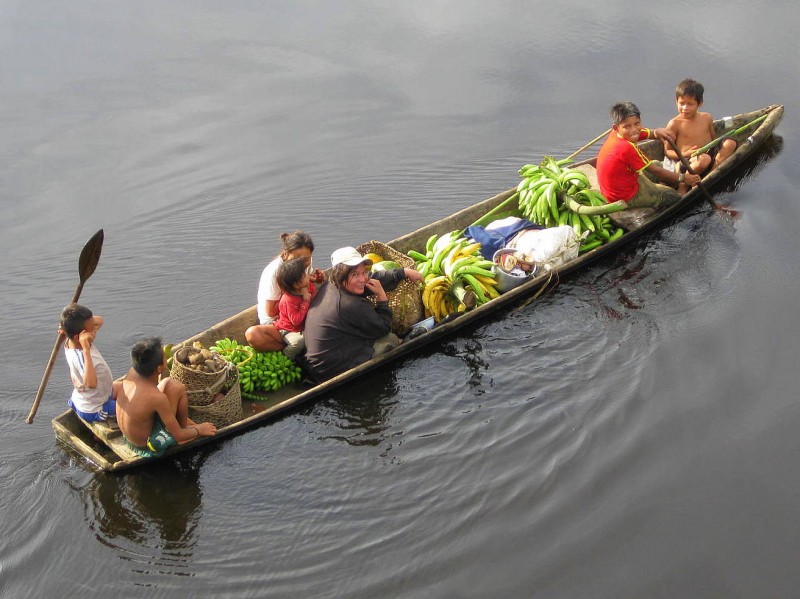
(258, 371)
(553, 196)
(457, 276)
(441, 252)
(232, 350)
(598, 228)
(543, 188)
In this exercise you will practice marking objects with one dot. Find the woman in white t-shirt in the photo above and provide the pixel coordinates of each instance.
(264, 336)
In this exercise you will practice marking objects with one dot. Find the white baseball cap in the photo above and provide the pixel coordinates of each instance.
(348, 256)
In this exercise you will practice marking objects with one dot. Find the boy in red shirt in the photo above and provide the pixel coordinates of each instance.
(297, 291)
(621, 165)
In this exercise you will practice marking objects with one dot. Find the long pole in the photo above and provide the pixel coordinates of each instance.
(702, 187)
(90, 256)
(507, 202)
(588, 145)
(725, 136)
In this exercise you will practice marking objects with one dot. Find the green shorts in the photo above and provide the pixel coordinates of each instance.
(157, 443)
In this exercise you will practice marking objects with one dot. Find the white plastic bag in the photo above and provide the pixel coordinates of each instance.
(552, 246)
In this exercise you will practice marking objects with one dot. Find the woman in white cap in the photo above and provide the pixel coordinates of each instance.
(343, 329)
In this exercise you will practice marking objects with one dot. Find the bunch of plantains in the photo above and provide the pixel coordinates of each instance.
(457, 276)
(258, 371)
(552, 194)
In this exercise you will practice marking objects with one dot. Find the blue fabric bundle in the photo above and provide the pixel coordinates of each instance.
(495, 238)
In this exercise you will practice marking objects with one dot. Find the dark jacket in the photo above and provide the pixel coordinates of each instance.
(341, 328)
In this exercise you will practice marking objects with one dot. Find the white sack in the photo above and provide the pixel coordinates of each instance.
(553, 246)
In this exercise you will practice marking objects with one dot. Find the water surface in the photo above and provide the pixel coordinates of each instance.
(631, 434)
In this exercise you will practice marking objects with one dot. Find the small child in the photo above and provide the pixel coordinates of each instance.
(95, 390)
(298, 291)
(693, 129)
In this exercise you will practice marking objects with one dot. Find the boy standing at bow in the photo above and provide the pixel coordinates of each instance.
(693, 129)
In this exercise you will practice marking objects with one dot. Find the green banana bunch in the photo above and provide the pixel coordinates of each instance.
(436, 249)
(598, 227)
(553, 196)
(232, 350)
(543, 187)
(258, 371)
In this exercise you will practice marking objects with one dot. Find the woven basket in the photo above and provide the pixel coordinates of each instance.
(405, 300)
(388, 253)
(222, 413)
(201, 386)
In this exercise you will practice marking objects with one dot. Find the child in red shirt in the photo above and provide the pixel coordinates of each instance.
(297, 291)
(621, 164)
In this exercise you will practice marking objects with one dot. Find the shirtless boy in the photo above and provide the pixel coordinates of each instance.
(694, 129)
(154, 415)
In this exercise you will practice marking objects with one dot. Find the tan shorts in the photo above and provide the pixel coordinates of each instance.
(653, 195)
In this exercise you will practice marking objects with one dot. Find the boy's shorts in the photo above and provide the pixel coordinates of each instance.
(157, 443)
(107, 410)
(653, 195)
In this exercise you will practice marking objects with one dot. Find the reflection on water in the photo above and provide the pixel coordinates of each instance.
(752, 165)
(469, 351)
(150, 516)
(361, 412)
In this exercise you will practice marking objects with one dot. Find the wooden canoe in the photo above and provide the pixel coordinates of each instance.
(106, 449)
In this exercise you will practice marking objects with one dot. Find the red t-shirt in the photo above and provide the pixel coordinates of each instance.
(618, 166)
(292, 310)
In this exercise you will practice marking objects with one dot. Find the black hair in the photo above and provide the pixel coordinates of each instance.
(289, 274)
(690, 87)
(73, 319)
(147, 355)
(623, 110)
(295, 241)
(339, 273)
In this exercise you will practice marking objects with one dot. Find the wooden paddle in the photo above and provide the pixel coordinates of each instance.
(702, 187)
(725, 136)
(487, 218)
(590, 144)
(90, 256)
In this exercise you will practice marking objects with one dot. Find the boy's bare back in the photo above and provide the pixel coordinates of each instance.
(138, 403)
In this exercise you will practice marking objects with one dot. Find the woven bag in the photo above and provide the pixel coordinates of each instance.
(223, 412)
(201, 387)
(405, 300)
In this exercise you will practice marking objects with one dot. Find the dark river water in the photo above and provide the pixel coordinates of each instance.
(633, 433)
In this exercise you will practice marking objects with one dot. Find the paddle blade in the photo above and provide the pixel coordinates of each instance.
(90, 256)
